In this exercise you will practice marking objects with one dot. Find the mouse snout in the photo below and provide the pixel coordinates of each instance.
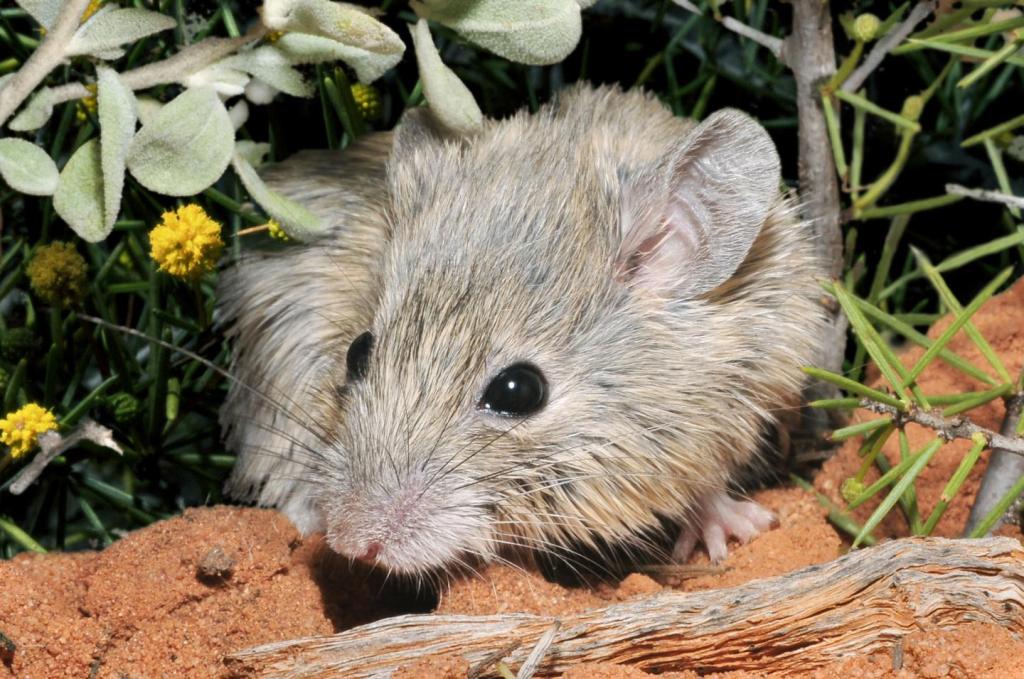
(408, 526)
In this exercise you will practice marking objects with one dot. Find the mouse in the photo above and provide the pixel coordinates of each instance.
(568, 328)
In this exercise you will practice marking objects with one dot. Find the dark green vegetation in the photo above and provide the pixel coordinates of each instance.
(162, 405)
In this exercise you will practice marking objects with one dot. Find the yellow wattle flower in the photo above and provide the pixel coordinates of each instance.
(276, 232)
(367, 100)
(88, 104)
(21, 429)
(186, 243)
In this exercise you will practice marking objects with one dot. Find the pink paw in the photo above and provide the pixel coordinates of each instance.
(721, 518)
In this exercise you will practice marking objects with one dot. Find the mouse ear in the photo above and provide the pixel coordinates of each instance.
(691, 218)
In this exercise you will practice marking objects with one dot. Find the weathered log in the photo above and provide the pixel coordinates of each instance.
(859, 603)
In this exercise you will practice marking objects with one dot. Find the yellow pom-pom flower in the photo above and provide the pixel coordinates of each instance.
(21, 429)
(367, 100)
(866, 27)
(276, 232)
(57, 273)
(186, 243)
(88, 104)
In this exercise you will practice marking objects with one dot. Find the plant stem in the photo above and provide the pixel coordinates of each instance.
(45, 58)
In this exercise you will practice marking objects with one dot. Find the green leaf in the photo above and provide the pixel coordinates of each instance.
(272, 67)
(116, 108)
(360, 40)
(35, 114)
(449, 99)
(297, 221)
(536, 32)
(252, 152)
(108, 29)
(79, 195)
(922, 459)
(27, 168)
(186, 147)
(303, 48)
(950, 300)
(43, 11)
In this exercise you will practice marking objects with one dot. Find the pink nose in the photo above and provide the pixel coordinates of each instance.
(372, 550)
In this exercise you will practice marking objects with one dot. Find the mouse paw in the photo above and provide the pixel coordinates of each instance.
(722, 517)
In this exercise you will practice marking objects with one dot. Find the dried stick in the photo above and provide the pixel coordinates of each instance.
(949, 428)
(985, 195)
(174, 68)
(773, 44)
(863, 602)
(45, 58)
(891, 39)
(1004, 468)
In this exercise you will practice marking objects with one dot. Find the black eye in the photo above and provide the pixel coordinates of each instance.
(358, 358)
(518, 390)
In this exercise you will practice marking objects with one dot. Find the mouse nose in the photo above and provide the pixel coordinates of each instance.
(372, 550)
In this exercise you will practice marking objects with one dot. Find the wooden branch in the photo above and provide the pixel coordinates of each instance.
(1004, 468)
(810, 53)
(770, 42)
(985, 195)
(950, 428)
(47, 56)
(863, 602)
(888, 42)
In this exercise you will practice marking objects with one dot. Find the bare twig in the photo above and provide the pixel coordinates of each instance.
(52, 444)
(174, 68)
(1004, 468)
(773, 44)
(985, 195)
(529, 666)
(891, 39)
(948, 428)
(45, 58)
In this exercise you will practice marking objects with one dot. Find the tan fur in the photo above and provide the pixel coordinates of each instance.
(463, 258)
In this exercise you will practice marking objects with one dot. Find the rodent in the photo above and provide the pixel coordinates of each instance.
(567, 328)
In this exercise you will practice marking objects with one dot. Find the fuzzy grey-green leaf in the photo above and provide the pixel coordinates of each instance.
(27, 168)
(272, 67)
(117, 114)
(35, 114)
(527, 31)
(303, 48)
(186, 147)
(449, 99)
(108, 29)
(297, 221)
(43, 11)
(79, 195)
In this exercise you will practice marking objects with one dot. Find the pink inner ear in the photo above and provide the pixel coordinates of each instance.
(661, 250)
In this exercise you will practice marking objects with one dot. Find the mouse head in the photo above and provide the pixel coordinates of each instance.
(548, 361)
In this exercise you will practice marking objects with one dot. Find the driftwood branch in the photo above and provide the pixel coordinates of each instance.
(865, 601)
(950, 428)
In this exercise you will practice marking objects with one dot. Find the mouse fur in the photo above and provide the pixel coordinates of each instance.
(652, 268)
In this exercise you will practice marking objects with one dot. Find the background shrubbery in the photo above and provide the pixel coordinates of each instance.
(162, 406)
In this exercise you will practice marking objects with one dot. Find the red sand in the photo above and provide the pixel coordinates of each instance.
(174, 598)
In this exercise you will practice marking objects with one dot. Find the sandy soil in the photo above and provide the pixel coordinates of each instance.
(174, 598)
